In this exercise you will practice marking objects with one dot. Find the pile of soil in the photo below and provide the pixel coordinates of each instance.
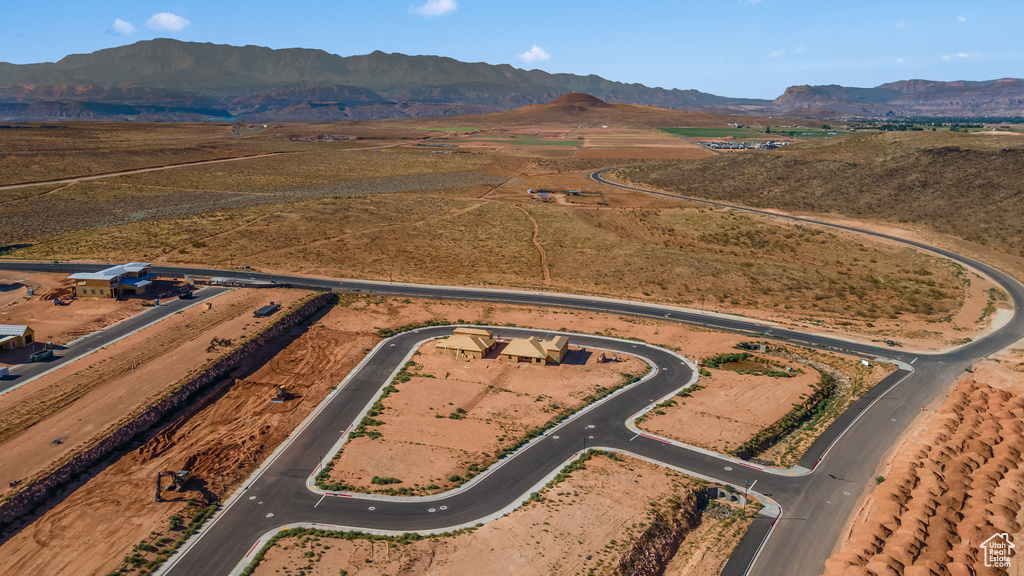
(960, 484)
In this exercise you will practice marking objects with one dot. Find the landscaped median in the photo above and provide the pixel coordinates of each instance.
(442, 420)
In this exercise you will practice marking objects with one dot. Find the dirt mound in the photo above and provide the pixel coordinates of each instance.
(63, 293)
(945, 495)
(576, 98)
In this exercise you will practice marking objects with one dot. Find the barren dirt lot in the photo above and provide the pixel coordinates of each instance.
(956, 479)
(453, 416)
(731, 404)
(58, 413)
(587, 522)
(730, 408)
(96, 526)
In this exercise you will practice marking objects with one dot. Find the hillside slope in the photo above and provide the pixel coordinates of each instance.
(967, 185)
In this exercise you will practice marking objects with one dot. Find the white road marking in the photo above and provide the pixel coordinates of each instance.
(371, 508)
(320, 500)
(634, 437)
(444, 507)
(728, 468)
(270, 514)
(914, 360)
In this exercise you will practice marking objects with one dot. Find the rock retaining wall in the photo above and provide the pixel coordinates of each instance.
(36, 492)
(658, 544)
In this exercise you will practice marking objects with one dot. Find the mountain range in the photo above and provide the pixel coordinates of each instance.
(171, 80)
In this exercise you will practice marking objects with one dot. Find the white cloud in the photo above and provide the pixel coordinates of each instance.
(960, 56)
(961, 19)
(534, 54)
(123, 28)
(780, 52)
(901, 24)
(167, 21)
(435, 8)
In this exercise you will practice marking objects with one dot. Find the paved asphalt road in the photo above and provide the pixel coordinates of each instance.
(814, 506)
(21, 374)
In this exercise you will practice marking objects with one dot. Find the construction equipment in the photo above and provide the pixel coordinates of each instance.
(178, 479)
(266, 310)
(282, 393)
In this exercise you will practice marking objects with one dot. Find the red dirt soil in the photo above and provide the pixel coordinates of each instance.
(94, 527)
(587, 519)
(422, 445)
(63, 410)
(91, 530)
(57, 324)
(955, 482)
(731, 408)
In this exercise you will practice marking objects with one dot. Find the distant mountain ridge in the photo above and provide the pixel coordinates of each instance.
(257, 83)
(168, 79)
(1004, 97)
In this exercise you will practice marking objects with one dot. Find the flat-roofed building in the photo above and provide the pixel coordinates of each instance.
(467, 343)
(15, 336)
(536, 351)
(130, 278)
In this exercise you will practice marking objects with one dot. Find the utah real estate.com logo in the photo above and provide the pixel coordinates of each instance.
(997, 550)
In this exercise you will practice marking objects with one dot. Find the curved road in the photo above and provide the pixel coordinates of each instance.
(814, 505)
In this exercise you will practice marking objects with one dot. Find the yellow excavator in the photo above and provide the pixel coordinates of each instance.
(178, 479)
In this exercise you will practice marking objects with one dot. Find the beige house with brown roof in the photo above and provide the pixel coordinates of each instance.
(15, 336)
(536, 351)
(467, 343)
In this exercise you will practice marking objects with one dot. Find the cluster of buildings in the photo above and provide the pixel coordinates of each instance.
(478, 342)
(113, 282)
(769, 145)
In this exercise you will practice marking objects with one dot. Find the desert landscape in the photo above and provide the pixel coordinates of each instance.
(794, 340)
(955, 479)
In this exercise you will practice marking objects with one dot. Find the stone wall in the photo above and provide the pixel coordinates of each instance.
(37, 492)
(658, 544)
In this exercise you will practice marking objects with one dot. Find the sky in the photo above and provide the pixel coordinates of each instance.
(736, 48)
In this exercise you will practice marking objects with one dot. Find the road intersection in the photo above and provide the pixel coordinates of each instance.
(810, 503)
